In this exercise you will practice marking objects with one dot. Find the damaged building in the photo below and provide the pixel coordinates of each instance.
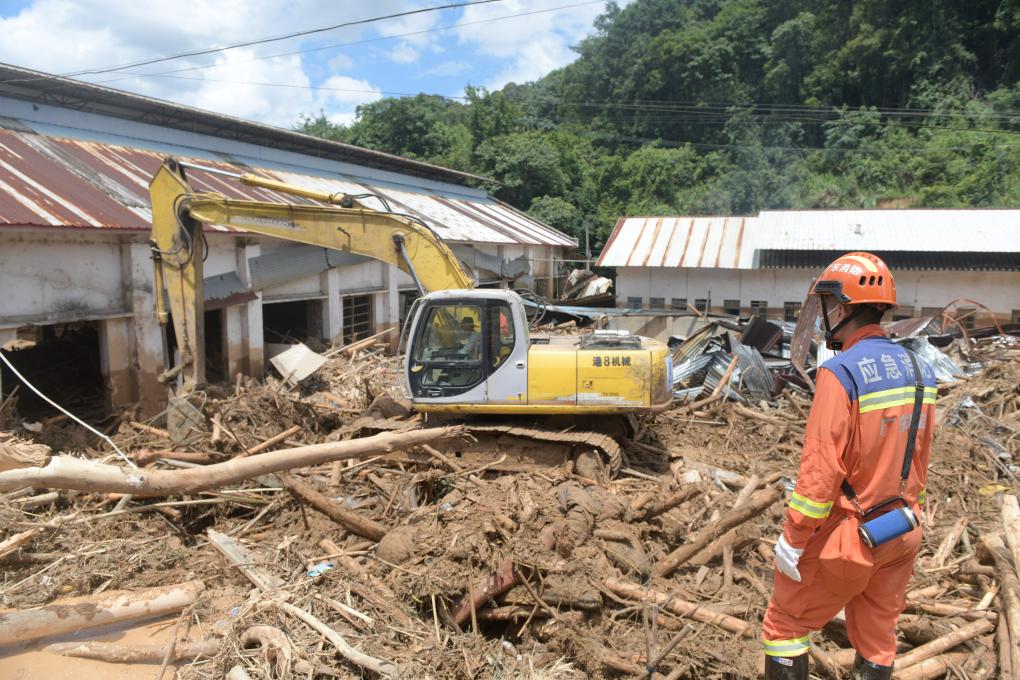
(75, 268)
(763, 265)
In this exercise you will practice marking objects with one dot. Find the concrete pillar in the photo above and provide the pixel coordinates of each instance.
(147, 346)
(251, 315)
(386, 312)
(237, 350)
(332, 308)
(115, 362)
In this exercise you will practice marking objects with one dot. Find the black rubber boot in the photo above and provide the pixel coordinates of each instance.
(786, 667)
(865, 670)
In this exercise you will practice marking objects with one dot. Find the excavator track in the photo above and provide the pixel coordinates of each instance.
(511, 447)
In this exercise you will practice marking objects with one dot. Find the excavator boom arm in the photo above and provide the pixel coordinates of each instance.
(178, 214)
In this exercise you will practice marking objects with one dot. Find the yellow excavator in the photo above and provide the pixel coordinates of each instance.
(468, 351)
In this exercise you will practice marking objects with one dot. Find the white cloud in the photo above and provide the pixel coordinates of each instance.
(449, 68)
(533, 45)
(403, 53)
(65, 36)
(340, 62)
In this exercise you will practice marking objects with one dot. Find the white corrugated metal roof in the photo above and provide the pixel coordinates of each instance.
(677, 242)
(948, 230)
(737, 242)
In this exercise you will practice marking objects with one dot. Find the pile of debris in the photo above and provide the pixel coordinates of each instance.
(316, 529)
(754, 360)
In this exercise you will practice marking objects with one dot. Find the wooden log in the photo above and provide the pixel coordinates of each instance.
(14, 543)
(487, 587)
(68, 472)
(733, 539)
(1009, 592)
(755, 505)
(33, 502)
(678, 606)
(948, 544)
(758, 415)
(67, 616)
(149, 429)
(944, 643)
(272, 441)
(942, 609)
(1011, 528)
(932, 668)
(667, 504)
(348, 519)
(1005, 656)
(111, 652)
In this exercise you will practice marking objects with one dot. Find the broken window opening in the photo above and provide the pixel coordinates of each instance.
(791, 310)
(760, 308)
(731, 307)
(357, 317)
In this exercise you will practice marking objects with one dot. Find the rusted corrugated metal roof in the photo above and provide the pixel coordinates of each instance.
(677, 242)
(51, 181)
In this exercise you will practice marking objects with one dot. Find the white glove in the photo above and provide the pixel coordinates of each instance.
(787, 558)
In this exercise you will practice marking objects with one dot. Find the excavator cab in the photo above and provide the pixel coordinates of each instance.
(468, 347)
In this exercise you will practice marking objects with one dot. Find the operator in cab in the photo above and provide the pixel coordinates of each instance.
(472, 340)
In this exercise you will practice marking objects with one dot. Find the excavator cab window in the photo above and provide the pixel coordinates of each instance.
(450, 346)
(458, 344)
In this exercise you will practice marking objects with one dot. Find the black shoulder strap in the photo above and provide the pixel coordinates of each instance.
(915, 421)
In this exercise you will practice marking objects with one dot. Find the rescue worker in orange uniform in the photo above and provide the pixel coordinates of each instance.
(855, 444)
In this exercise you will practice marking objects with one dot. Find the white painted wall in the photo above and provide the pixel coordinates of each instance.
(1000, 291)
(57, 276)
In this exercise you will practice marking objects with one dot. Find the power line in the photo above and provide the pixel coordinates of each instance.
(260, 41)
(693, 115)
(397, 36)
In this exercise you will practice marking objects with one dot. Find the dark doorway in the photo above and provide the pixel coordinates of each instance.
(63, 362)
(289, 321)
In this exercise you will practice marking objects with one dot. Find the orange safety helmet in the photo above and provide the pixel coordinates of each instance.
(857, 278)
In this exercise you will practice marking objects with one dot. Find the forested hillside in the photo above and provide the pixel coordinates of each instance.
(734, 106)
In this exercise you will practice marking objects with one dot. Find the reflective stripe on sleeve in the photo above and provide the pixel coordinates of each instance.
(810, 508)
(898, 396)
(922, 497)
(794, 647)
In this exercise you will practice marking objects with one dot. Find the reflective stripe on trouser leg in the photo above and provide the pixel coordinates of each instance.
(791, 647)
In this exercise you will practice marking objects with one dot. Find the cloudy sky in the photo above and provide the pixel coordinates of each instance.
(333, 71)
